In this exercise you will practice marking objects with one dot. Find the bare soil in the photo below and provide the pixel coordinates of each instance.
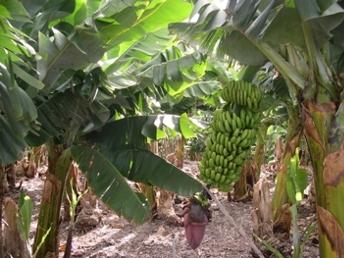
(101, 233)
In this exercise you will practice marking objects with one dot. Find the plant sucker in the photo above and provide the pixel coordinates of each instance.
(234, 130)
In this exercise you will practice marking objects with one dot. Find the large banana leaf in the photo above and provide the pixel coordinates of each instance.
(167, 75)
(138, 54)
(134, 22)
(80, 49)
(17, 113)
(67, 114)
(124, 145)
(156, 66)
(202, 89)
(15, 45)
(115, 25)
(109, 185)
(17, 110)
(243, 26)
(11, 145)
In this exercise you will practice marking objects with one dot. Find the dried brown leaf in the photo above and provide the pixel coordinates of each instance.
(311, 130)
(332, 230)
(283, 223)
(262, 216)
(15, 246)
(334, 168)
(323, 108)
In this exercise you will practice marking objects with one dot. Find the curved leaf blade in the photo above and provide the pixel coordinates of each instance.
(143, 166)
(151, 169)
(109, 185)
(124, 145)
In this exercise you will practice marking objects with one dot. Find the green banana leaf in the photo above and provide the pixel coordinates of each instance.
(65, 115)
(17, 115)
(109, 185)
(124, 145)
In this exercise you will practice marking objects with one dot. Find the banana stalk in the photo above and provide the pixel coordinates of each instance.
(49, 215)
(327, 159)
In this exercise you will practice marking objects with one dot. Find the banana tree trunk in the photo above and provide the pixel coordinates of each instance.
(46, 239)
(327, 155)
(294, 132)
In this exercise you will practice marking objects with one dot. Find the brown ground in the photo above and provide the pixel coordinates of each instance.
(104, 234)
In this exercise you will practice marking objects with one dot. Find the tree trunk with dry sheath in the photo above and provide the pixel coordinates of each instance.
(15, 245)
(243, 187)
(48, 221)
(326, 148)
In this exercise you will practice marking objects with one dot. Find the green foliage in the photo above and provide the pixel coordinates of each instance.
(273, 133)
(66, 115)
(297, 179)
(17, 110)
(74, 51)
(196, 145)
(284, 32)
(24, 215)
(16, 117)
(124, 145)
(187, 127)
(297, 182)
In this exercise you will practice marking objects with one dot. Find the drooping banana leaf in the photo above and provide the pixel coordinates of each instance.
(109, 185)
(17, 114)
(123, 143)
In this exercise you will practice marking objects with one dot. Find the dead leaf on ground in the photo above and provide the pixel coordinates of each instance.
(283, 222)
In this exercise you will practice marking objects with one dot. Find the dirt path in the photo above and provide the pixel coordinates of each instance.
(103, 234)
(115, 237)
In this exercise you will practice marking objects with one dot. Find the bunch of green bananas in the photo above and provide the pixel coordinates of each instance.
(242, 93)
(233, 132)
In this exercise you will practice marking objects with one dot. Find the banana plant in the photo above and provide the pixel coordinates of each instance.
(302, 40)
(107, 155)
(71, 40)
